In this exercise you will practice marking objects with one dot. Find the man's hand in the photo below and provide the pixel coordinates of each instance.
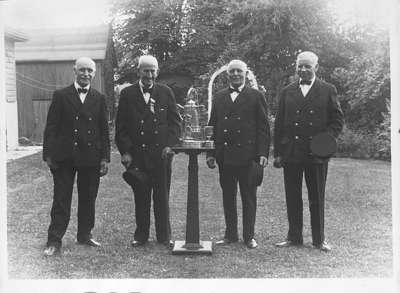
(126, 160)
(167, 152)
(210, 162)
(51, 164)
(278, 162)
(263, 161)
(103, 168)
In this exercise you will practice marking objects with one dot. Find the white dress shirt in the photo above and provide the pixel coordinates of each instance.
(305, 88)
(82, 96)
(235, 94)
(146, 96)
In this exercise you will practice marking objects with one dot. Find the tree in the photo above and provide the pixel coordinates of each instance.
(366, 83)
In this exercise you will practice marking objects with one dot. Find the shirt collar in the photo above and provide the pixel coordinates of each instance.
(312, 81)
(77, 86)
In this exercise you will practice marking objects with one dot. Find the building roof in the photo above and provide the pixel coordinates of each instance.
(63, 44)
(15, 35)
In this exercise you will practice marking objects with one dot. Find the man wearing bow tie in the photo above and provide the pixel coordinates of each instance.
(76, 141)
(147, 126)
(241, 135)
(307, 107)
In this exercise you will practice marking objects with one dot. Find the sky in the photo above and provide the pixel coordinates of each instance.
(55, 13)
(80, 13)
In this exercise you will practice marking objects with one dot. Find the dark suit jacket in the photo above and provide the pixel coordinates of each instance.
(300, 118)
(141, 133)
(76, 131)
(241, 129)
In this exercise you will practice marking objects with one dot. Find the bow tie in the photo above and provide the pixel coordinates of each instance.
(232, 90)
(147, 90)
(303, 81)
(82, 90)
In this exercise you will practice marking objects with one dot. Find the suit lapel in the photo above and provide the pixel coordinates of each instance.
(240, 99)
(73, 98)
(298, 98)
(227, 102)
(312, 93)
(89, 100)
(138, 101)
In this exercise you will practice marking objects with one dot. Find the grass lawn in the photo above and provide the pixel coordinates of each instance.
(358, 224)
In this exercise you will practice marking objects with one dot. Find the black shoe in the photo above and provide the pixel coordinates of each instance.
(136, 243)
(252, 243)
(89, 242)
(225, 241)
(288, 243)
(167, 243)
(51, 250)
(324, 246)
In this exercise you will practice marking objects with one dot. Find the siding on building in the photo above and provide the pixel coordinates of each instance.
(11, 91)
(36, 82)
(45, 64)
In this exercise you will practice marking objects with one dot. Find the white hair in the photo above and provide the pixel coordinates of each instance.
(236, 63)
(86, 61)
(147, 60)
(307, 55)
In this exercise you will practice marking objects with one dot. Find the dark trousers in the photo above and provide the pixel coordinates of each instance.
(158, 188)
(229, 176)
(315, 177)
(88, 180)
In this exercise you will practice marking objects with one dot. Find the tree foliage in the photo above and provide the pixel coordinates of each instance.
(194, 38)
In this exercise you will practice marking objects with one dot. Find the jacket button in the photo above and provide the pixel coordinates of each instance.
(75, 144)
(225, 143)
(296, 137)
(141, 133)
(225, 130)
(77, 117)
(297, 124)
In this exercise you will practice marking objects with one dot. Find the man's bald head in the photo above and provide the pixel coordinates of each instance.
(309, 56)
(237, 64)
(85, 61)
(147, 61)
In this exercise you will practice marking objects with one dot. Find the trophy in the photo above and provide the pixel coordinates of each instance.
(195, 119)
(208, 133)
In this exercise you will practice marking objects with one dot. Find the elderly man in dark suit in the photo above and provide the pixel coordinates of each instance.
(307, 107)
(76, 141)
(242, 135)
(147, 126)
